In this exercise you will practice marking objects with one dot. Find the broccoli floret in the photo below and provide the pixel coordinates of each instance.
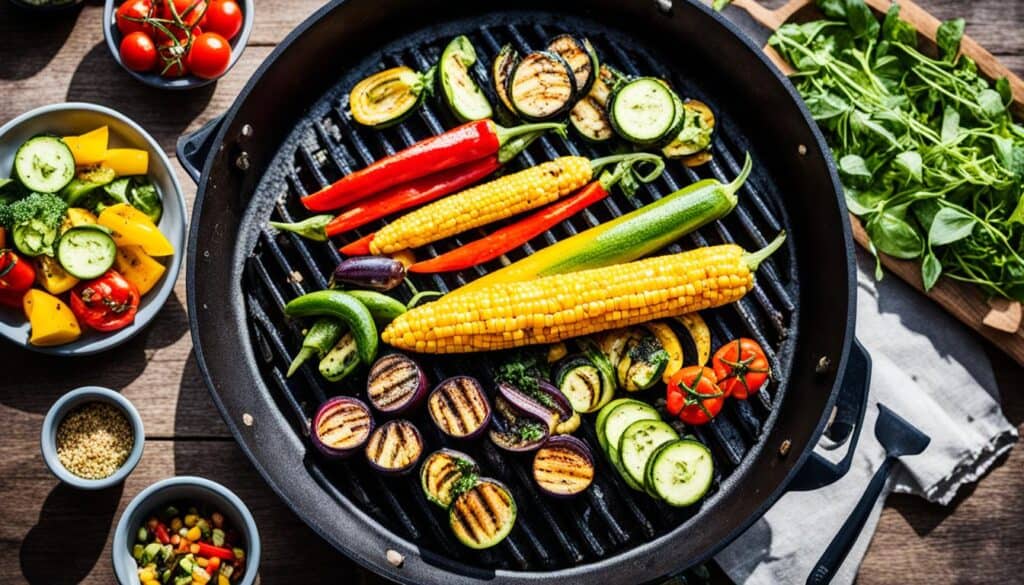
(44, 207)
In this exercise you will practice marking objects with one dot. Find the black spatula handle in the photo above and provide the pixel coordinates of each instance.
(837, 550)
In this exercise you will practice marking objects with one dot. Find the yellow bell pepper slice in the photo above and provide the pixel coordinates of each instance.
(77, 216)
(51, 320)
(52, 276)
(131, 227)
(127, 162)
(138, 268)
(89, 148)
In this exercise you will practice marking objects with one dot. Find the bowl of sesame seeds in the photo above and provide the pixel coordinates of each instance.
(92, 438)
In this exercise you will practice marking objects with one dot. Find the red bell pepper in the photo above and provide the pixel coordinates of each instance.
(210, 551)
(514, 235)
(458, 146)
(161, 533)
(16, 274)
(417, 192)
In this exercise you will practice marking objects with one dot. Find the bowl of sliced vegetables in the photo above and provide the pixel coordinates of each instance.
(92, 229)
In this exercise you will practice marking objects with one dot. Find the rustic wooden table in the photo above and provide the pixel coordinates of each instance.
(53, 535)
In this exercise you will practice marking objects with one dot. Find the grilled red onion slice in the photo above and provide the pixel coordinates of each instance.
(563, 466)
(395, 384)
(459, 407)
(395, 447)
(514, 429)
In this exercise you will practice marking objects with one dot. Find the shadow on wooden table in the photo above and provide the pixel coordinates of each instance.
(163, 113)
(48, 33)
(47, 377)
(74, 521)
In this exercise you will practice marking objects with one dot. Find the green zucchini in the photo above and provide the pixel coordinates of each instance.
(501, 71)
(388, 97)
(580, 381)
(617, 420)
(638, 442)
(86, 251)
(642, 363)
(628, 237)
(680, 472)
(695, 133)
(341, 360)
(463, 96)
(590, 115)
(445, 474)
(44, 164)
(593, 352)
(643, 111)
(483, 515)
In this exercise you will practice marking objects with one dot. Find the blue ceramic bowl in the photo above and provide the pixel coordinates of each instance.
(158, 495)
(77, 118)
(113, 37)
(69, 402)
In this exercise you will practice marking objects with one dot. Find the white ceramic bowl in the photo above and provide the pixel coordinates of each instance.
(78, 118)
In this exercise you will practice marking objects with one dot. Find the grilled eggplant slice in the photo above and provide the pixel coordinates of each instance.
(501, 71)
(514, 430)
(341, 426)
(386, 98)
(459, 407)
(542, 86)
(590, 115)
(580, 381)
(581, 57)
(563, 467)
(446, 474)
(461, 93)
(395, 447)
(395, 384)
(694, 137)
(482, 516)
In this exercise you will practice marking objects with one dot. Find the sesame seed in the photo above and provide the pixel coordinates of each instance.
(94, 440)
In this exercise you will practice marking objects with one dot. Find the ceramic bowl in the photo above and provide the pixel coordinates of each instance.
(77, 118)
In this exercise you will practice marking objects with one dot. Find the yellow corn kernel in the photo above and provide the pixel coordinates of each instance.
(524, 313)
(194, 533)
(484, 204)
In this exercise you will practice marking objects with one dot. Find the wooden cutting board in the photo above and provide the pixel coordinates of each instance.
(998, 320)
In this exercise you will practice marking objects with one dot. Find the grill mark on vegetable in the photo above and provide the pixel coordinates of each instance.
(394, 445)
(564, 465)
(345, 417)
(390, 392)
(459, 406)
(478, 513)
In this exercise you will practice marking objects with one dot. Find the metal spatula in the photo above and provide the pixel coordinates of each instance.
(899, 438)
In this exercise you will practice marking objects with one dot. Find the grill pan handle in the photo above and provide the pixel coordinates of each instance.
(818, 471)
(193, 148)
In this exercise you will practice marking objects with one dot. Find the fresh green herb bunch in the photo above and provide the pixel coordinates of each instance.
(929, 156)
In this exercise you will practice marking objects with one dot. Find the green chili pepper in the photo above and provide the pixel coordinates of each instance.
(383, 308)
(311, 228)
(341, 305)
(320, 338)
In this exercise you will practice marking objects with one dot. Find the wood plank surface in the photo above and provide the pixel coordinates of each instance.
(51, 535)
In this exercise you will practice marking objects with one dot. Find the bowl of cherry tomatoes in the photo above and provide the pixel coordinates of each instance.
(177, 44)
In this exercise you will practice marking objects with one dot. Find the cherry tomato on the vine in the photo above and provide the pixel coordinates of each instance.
(223, 17)
(107, 303)
(694, 396)
(741, 367)
(138, 52)
(134, 9)
(209, 56)
(189, 11)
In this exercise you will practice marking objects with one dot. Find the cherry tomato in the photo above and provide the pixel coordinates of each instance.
(198, 7)
(741, 367)
(108, 303)
(173, 59)
(223, 17)
(139, 9)
(209, 56)
(694, 396)
(138, 52)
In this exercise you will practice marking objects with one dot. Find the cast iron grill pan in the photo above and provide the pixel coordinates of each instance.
(549, 534)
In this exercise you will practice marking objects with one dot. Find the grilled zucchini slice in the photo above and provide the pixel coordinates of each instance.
(463, 96)
(590, 115)
(695, 135)
(445, 474)
(542, 86)
(639, 441)
(581, 57)
(680, 472)
(501, 71)
(389, 97)
(482, 516)
(643, 111)
(581, 382)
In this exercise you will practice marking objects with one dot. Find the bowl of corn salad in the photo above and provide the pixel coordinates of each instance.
(92, 438)
(186, 531)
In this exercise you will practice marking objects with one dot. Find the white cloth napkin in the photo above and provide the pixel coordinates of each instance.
(930, 370)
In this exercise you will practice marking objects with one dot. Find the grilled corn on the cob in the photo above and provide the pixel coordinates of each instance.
(559, 307)
(484, 204)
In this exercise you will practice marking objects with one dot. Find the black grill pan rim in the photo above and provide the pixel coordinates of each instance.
(640, 554)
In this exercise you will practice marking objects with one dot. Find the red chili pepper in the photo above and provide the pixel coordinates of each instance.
(514, 235)
(406, 195)
(16, 274)
(360, 247)
(161, 534)
(458, 146)
(208, 551)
